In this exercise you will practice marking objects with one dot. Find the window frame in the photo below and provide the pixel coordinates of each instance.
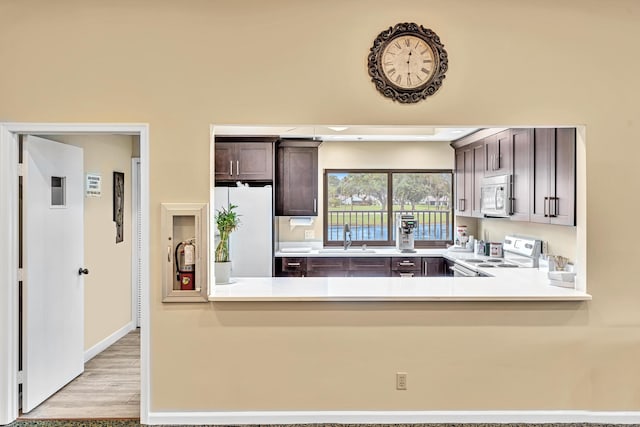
(389, 207)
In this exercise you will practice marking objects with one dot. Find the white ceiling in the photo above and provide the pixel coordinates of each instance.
(351, 133)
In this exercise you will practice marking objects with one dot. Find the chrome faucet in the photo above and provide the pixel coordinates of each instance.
(346, 236)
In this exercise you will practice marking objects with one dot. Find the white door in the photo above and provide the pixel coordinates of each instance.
(53, 255)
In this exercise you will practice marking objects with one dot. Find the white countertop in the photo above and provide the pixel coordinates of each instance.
(517, 284)
(506, 284)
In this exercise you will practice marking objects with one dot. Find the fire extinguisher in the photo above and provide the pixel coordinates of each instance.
(185, 257)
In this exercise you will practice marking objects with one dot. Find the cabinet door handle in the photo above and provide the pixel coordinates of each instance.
(464, 204)
(513, 205)
(231, 167)
(237, 167)
(546, 203)
(293, 264)
(556, 208)
(315, 205)
(406, 263)
(406, 274)
(169, 253)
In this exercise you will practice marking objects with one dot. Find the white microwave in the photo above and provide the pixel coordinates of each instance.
(495, 196)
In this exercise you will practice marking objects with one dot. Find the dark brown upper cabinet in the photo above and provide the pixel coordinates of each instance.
(542, 163)
(521, 142)
(469, 173)
(244, 159)
(478, 174)
(498, 154)
(464, 181)
(297, 178)
(553, 185)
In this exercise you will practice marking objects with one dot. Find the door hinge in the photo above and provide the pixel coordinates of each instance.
(20, 275)
(20, 169)
(20, 377)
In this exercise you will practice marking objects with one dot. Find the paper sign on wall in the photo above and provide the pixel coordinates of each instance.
(94, 185)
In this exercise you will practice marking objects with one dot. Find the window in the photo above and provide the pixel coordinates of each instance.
(364, 198)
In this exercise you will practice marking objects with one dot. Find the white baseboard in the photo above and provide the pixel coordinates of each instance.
(392, 417)
(105, 343)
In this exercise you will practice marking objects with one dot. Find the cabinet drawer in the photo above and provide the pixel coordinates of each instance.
(292, 265)
(405, 264)
(412, 273)
(327, 267)
(369, 267)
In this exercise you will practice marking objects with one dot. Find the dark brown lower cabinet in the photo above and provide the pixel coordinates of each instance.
(360, 267)
(291, 267)
(434, 266)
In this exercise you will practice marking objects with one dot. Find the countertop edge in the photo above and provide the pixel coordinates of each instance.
(576, 298)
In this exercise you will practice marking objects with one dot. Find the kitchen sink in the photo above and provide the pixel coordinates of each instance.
(348, 251)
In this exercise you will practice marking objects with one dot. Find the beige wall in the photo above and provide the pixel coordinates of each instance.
(181, 66)
(108, 286)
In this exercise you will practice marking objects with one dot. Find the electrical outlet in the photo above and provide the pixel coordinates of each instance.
(401, 380)
(309, 234)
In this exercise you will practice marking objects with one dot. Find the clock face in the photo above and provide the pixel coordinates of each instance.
(407, 62)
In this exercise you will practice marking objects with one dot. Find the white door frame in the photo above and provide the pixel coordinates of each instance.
(9, 253)
(135, 208)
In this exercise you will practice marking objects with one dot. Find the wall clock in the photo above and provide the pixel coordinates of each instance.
(407, 63)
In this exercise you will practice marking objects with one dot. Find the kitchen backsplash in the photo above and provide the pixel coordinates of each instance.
(559, 239)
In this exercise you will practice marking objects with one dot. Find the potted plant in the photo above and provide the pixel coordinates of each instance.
(226, 221)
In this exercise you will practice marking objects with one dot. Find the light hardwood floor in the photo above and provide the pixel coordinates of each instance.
(108, 388)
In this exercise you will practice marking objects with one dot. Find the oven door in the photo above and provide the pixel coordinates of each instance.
(461, 271)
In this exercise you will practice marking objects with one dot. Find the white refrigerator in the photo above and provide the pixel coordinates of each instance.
(251, 244)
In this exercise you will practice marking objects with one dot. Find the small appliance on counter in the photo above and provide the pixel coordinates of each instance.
(463, 242)
(495, 249)
(461, 236)
(405, 223)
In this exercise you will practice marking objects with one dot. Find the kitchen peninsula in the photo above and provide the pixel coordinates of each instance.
(518, 284)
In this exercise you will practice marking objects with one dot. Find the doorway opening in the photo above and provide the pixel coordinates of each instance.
(136, 306)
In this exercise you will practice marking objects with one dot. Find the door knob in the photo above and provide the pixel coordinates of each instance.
(82, 271)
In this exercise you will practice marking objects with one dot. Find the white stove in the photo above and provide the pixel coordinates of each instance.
(523, 251)
(519, 252)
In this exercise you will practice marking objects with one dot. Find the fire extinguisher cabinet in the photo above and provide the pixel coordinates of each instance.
(185, 233)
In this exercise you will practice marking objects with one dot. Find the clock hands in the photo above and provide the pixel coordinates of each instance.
(409, 67)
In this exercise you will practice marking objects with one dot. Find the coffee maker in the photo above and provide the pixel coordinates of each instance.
(405, 223)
